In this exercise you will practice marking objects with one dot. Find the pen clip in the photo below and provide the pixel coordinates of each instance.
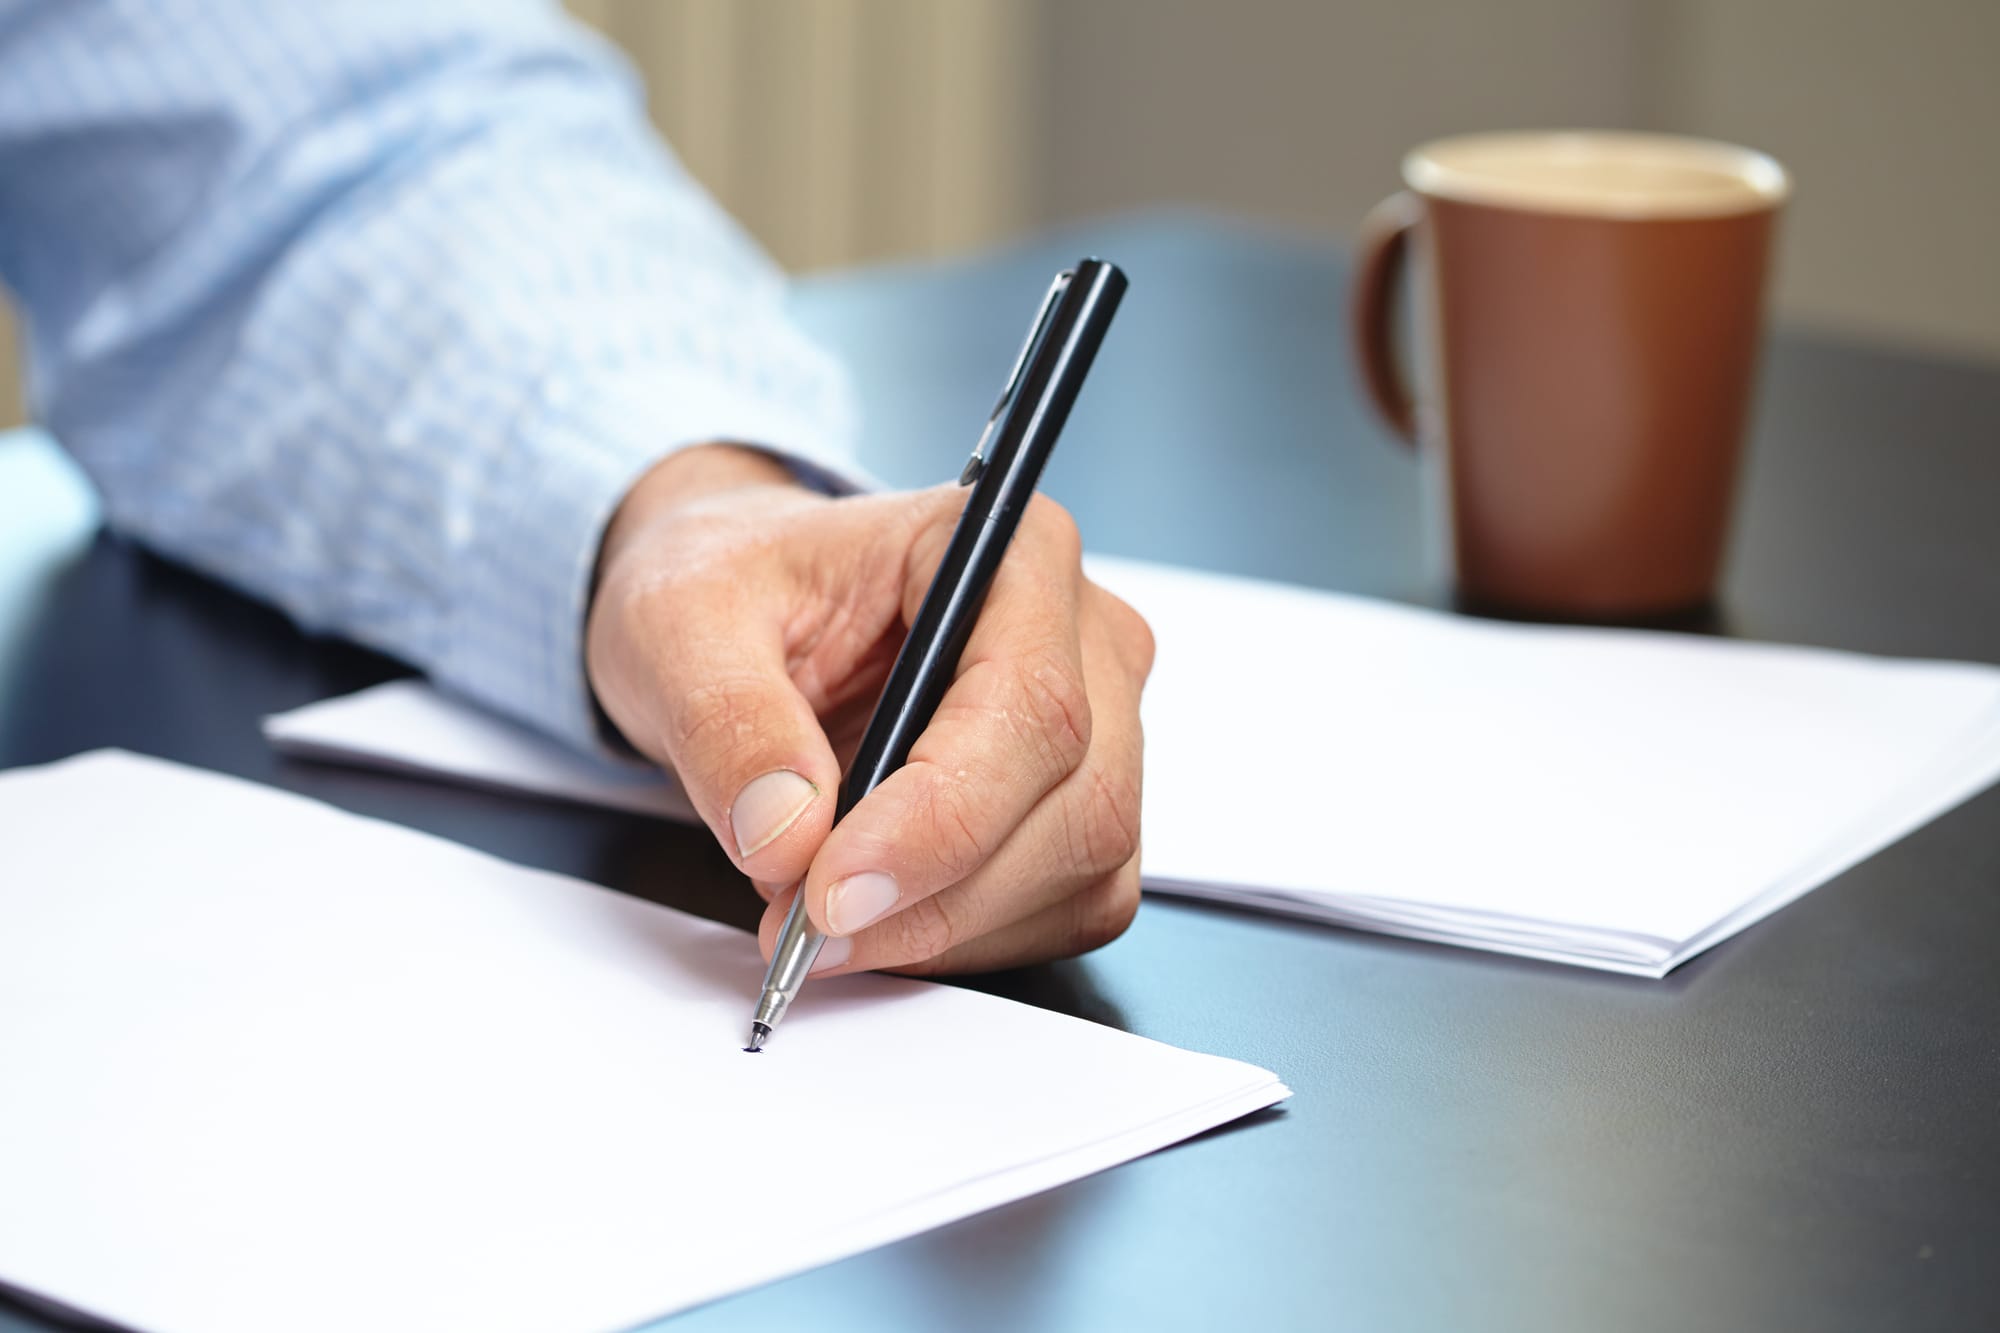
(975, 464)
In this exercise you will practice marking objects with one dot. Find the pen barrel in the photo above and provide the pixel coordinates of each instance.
(1052, 376)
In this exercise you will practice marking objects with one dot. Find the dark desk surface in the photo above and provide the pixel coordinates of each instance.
(1798, 1129)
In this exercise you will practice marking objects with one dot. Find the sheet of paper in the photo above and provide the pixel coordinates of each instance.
(1610, 798)
(1604, 796)
(407, 725)
(269, 1065)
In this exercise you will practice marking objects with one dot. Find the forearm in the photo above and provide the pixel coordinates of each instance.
(428, 311)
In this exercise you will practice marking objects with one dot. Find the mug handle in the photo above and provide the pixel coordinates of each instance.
(1381, 256)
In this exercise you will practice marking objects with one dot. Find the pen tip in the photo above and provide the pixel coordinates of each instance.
(759, 1033)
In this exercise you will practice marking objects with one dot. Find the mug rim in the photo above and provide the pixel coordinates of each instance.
(1764, 183)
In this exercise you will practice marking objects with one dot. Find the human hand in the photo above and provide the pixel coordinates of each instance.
(740, 632)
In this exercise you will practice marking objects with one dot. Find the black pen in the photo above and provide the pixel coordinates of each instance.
(1002, 472)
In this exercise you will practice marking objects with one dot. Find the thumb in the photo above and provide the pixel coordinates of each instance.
(744, 742)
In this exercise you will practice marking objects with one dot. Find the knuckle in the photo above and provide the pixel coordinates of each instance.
(1106, 829)
(953, 845)
(1130, 636)
(1057, 706)
(1132, 629)
(1108, 909)
(1055, 525)
(923, 930)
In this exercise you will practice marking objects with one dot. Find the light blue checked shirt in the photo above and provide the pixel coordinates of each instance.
(375, 308)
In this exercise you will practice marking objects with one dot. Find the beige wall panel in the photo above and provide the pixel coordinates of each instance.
(1299, 111)
(1886, 114)
(844, 130)
(12, 412)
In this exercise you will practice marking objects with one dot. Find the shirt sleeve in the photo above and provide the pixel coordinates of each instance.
(376, 309)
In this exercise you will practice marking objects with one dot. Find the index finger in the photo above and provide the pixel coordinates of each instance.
(1014, 724)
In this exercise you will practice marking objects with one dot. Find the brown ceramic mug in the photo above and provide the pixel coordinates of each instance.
(1588, 313)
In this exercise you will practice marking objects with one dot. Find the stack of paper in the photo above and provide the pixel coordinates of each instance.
(271, 1066)
(406, 726)
(1610, 798)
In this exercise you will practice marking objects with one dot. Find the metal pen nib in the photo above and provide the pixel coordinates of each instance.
(791, 959)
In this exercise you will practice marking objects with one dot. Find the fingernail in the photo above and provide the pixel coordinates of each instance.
(766, 807)
(854, 902)
(833, 953)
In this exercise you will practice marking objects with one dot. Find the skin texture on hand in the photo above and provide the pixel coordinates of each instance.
(741, 630)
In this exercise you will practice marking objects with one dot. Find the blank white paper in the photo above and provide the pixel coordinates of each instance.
(269, 1065)
(408, 726)
(1616, 799)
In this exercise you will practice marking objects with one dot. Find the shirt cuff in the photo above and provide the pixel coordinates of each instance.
(515, 641)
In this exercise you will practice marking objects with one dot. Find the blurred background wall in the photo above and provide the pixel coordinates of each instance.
(844, 131)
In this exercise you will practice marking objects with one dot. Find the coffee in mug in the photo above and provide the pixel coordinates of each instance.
(1588, 311)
